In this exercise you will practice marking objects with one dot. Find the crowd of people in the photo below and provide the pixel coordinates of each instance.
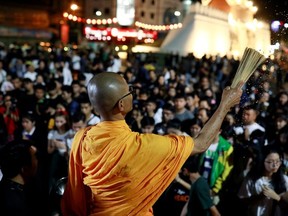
(44, 99)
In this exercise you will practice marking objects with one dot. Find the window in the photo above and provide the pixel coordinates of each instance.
(152, 15)
(107, 11)
(142, 14)
(153, 2)
(143, 1)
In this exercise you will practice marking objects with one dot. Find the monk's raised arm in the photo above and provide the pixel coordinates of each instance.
(230, 97)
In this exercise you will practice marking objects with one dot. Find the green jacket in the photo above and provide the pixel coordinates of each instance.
(222, 164)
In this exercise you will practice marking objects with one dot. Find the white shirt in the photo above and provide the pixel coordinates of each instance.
(31, 75)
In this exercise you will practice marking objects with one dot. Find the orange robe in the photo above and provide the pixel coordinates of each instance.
(114, 171)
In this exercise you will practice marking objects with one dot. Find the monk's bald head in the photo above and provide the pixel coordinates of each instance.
(105, 89)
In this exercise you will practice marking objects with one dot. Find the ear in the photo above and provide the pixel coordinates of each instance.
(121, 106)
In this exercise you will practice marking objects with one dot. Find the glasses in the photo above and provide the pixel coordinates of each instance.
(277, 163)
(131, 91)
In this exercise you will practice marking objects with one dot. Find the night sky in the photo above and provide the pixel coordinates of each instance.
(269, 10)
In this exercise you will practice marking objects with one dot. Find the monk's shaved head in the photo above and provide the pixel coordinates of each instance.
(105, 89)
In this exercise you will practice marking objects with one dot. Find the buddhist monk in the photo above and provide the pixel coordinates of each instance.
(115, 171)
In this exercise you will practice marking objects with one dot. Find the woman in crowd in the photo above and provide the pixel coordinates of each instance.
(264, 175)
(57, 148)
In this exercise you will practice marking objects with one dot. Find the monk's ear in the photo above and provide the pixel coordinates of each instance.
(121, 106)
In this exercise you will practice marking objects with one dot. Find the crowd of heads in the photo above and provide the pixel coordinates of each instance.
(47, 91)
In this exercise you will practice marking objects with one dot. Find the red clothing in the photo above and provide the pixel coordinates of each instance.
(11, 125)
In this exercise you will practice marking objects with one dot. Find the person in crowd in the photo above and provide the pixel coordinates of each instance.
(279, 130)
(281, 103)
(181, 111)
(18, 162)
(199, 202)
(173, 199)
(10, 113)
(3, 131)
(265, 173)
(57, 148)
(192, 100)
(17, 67)
(147, 124)
(126, 174)
(216, 164)
(87, 110)
(151, 110)
(78, 123)
(29, 97)
(3, 73)
(54, 98)
(192, 127)
(38, 138)
(251, 133)
(7, 85)
(42, 70)
(77, 90)
(30, 73)
(167, 115)
(71, 104)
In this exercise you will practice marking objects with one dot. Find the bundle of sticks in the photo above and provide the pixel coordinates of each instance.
(250, 61)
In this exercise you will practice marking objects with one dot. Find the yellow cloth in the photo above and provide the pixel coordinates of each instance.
(119, 172)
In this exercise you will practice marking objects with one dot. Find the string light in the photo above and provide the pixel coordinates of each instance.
(109, 21)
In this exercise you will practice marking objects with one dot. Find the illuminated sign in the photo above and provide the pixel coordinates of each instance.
(125, 13)
(120, 34)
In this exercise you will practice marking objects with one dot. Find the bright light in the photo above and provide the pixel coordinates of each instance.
(275, 25)
(124, 47)
(286, 25)
(98, 13)
(254, 9)
(117, 48)
(249, 3)
(177, 13)
(74, 7)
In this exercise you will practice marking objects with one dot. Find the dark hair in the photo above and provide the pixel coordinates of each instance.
(39, 86)
(169, 106)
(180, 96)
(75, 82)
(14, 156)
(84, 99)
(77, 117)
(251, 107)
(192, 164)
(146, 120)
(29, 115)
(174, 123)
(27, 80)
(51, 85)
(67, 88)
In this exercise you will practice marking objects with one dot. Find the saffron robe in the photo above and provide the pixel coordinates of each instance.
(114, 171)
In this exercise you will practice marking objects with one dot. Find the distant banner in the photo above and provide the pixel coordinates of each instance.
(65, 33)
(103, 34)
(20, 32)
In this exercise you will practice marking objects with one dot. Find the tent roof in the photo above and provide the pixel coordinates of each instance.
(221, 5)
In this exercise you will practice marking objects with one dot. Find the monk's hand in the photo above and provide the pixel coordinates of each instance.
(268, 192)
(231, 96)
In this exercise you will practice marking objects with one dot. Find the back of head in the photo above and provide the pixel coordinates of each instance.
(104, 91)
(192, 164)
(14, 156)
